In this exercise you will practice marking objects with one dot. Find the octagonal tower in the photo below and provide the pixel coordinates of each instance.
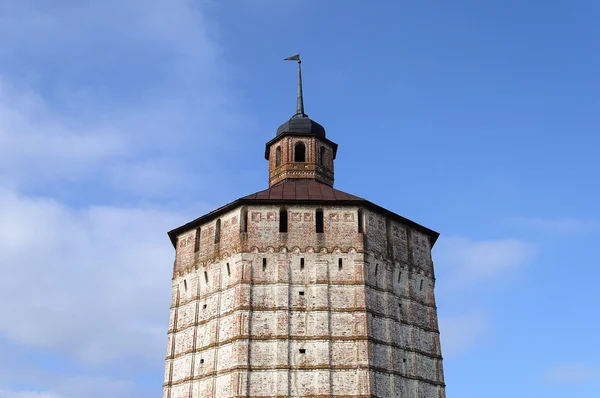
(302, 290)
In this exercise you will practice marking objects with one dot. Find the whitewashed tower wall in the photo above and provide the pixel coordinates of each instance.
(341, 313)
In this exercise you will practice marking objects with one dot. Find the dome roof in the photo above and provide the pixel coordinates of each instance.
(302, 124)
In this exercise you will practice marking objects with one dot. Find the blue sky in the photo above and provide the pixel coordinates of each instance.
(120, 120)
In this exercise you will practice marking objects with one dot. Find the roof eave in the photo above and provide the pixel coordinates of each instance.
(334, 146)
(240, 202)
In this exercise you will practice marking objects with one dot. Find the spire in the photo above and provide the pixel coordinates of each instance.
(300, 105)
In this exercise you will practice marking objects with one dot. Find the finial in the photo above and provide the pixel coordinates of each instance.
(300, 105)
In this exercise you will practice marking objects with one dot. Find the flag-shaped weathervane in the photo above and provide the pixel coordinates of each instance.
(300, 105)
(293, 58)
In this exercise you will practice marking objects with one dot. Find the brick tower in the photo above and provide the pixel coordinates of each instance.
(302, 290)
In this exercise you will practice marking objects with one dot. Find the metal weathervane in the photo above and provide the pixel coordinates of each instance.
(300, 105)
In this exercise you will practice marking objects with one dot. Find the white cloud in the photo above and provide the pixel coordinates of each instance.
(33, 139)
(571, 372)
(461, 333)
(110, 93)
(97, 100)
(27, 394)
(36, 27)
(463, 261)
(65, 386)
(563, 225)
(101, 98)
(100, 387)
(92, 283)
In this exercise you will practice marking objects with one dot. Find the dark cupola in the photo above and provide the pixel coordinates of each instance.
(300, 149)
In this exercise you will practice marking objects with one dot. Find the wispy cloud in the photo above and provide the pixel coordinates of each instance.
(27, 394)
(462, 261)
(571, 373)
(90, 283)
(65, 386)
(129, 85)
(99, 99)
(556, 225)
(461, 333)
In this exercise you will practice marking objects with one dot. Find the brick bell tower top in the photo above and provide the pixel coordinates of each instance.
(300, 149)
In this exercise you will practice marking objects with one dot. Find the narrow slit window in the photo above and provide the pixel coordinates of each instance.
(399, 276)
(283, 220)
(339, 264)
(205, 276)
(376, 268)
(201, 360)
(302, 351)
(185, 285)
(264, 264)
(319, 221)
(228, 270)
(197, 242)
(218, 231)
(278, 156)
(244, 220)
(204, 307)
(322, 156)
(302, 263)
(404, 360)
(421, 285)
(361, 228)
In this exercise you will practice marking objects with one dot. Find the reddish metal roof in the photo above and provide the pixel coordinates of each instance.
(302, 190)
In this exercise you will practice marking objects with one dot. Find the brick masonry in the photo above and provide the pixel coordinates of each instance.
(341, 313)
(318, 164)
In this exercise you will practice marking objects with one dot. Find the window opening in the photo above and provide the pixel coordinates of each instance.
(319, 221)
(197, 242)
(278, 156)
(339, 264)
(421, 285)
(301, 293)
(218, 231)
(322, 156)
(302, 263)
(300, 153)
(283, 220)
(185, 285)
(201, 360)
(376, 268)
(204, 307)
(404, 360)
(399, 276)
(205, 276)
(302, 351)
(361, 228)
(264, 264)
(244, 220)
(228, 270)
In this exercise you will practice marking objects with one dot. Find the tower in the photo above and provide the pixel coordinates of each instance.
(302, 290)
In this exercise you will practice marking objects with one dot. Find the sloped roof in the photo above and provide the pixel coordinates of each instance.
(301, 192)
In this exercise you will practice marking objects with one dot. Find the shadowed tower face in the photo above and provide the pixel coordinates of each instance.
(302, 290)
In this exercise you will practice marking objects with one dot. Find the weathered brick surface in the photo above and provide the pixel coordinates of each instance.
(267, 314)
(318, 164)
